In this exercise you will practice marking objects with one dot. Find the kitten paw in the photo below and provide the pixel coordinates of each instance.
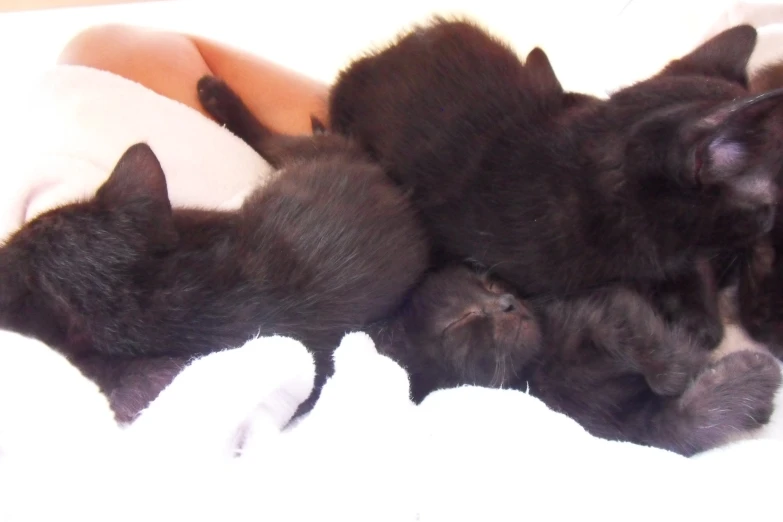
(674, 379)
(216, 97)
(731, 396)
(680, 359)
(705, 330)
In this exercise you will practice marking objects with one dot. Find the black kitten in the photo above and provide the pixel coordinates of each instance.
(559, 192)
(326, 247)
(607, 360)
(460, 327)
(760, 267)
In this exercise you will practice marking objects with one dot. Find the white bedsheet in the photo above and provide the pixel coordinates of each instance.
(211, 448)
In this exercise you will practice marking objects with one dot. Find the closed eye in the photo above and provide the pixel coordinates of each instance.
(463, 320)
(494, 287)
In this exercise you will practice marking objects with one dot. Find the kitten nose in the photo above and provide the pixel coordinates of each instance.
(507, 303)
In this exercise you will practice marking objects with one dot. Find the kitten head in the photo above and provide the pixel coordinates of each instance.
(74, 263)
(697, 139)
(471, 327)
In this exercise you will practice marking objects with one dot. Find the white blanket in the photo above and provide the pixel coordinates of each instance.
(211, 448)
(364, 453)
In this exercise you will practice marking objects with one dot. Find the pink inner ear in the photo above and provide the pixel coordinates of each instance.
(724, 154)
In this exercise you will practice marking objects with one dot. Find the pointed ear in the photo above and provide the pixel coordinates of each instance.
(730, 139)
(317, 125)
(725, 55)
(137, 179)
(537, 62)
(137, 186)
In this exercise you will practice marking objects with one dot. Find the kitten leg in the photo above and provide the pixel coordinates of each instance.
(690, 300)
(227, 108)
(629, 328)
(730, 397)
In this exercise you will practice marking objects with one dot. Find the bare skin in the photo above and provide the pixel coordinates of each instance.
(172, 63)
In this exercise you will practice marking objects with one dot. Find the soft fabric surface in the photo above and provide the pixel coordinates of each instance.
(365, 452)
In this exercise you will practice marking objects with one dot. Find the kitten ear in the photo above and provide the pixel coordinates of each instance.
(727, 139)
(137, 178)
(317, 125)
(725, 55)
(537, 62)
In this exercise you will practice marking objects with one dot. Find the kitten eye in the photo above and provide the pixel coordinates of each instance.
(462, 320)
(494, 287)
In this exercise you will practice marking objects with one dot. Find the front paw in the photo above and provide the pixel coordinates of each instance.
(733, 395)
(705, 330)
(679, 362)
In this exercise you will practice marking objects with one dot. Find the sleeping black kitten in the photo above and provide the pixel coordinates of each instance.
(559, 192)
(327, 246)
(460, 327)
(606, 359)
(759, 268)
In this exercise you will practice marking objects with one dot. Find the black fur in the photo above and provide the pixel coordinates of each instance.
(607, 360)
(760, 291)
(759, 268)
(459, 327)
(689, 299)
(326, 247)
(225, 106)
(130, 383)
(559, 192)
